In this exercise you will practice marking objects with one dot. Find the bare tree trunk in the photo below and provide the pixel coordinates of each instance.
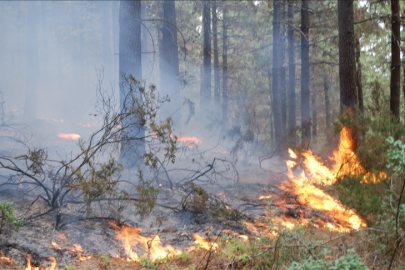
(205, 92)
(31, 86)
(358, 76)
(395, 59)
(347, 62)
(305, 94)
(326, 87)
(276, 73)
(314, 120)
(130, 63)
(283, 85)
(291, 76)
(216, 61)
(224, 67)
(106, 39)
(169, 64)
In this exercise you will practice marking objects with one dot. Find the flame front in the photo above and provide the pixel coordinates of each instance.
(9, 261)
(69, 136)
(314, 172)
(130, 237)
(29, 267)
(205, 244)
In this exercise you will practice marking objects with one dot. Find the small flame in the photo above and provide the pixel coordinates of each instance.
(204, 243)
(29, 267)
(55, 246)
(69, 136)
(292, 154)
(9, 261)
(130, 237)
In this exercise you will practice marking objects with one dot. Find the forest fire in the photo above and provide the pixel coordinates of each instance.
(130, 237)
(314, 172)
(9, 261)
(200, 241)
(29, 267)
(69, 136)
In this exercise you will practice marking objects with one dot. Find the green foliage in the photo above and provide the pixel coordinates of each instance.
(147, 264)
(8, 217)
(68, 267)
(147, 196)
(350, 261)
(395, 155)
(99, 181)
(105, 259)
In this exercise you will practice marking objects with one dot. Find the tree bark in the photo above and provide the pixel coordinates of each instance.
(347, 65)
(283, 85)
(205, 92)
(31, 85)
(326, 87)
(291, 76)
(216, 60)
(395, 59)
(130, 63)
(224, 67)
(169, 64)
(276, 73)
(347, 62)
(358, 76)
(106, 39)
(305, 94)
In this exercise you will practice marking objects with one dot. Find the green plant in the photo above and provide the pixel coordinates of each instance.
(350, 261)
(147, 264)
(105, 259)
(8, 217)
(68, 267)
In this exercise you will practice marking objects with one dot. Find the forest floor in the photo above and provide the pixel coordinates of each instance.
(90, 230)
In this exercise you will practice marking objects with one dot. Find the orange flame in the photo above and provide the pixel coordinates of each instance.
(9, 261)
(55, 246)
(130, 237)
(204, 243)
(69, 136)
(29, 267)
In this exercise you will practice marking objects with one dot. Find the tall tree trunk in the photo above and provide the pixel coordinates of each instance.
(276, 73)
(130, 63)
(106, 39)
(326, 86)
(395, 59)
(283, 85)
(115, 36)
(216, 60)
(31, 86)
(205, 91)
(305, 94)
(291, 76)
(347, 62)
(314, 120)
(169, 64)
(358, 76)
(224, 67)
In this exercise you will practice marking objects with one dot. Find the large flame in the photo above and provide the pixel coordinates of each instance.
(314, 172)
(69, 136)
(130, 237)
